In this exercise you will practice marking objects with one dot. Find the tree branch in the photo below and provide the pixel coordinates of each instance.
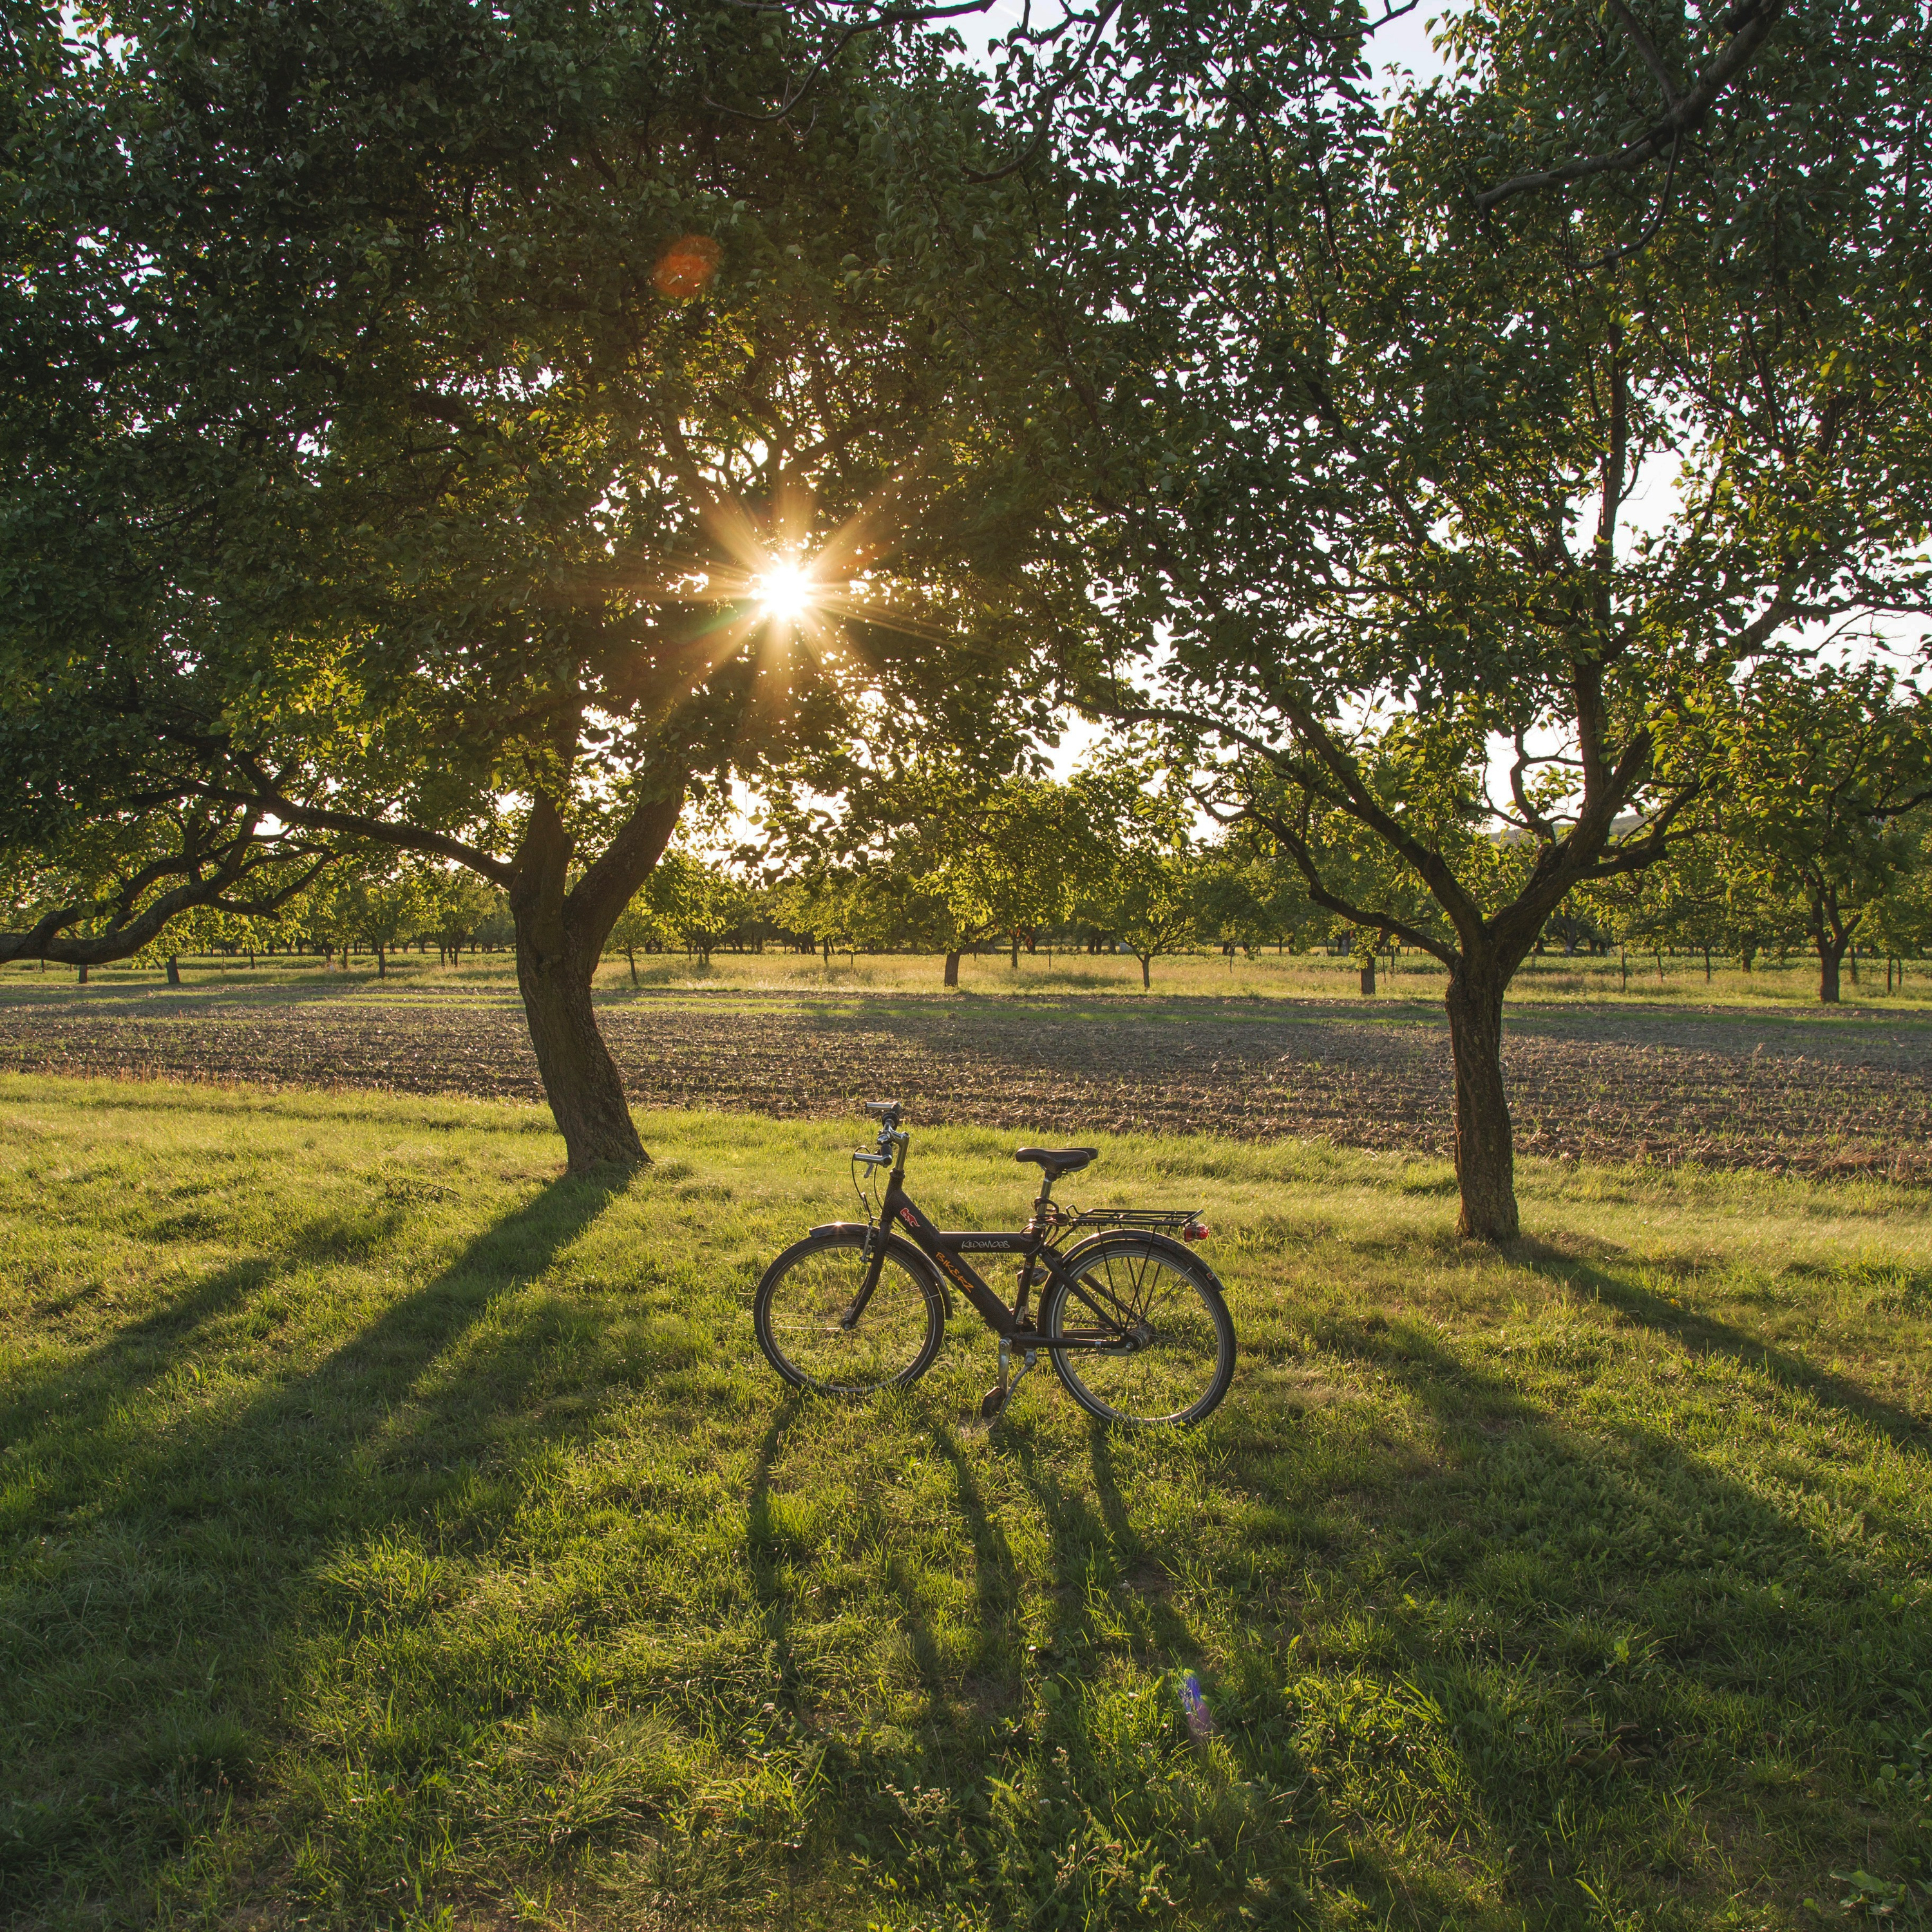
(1754, 22)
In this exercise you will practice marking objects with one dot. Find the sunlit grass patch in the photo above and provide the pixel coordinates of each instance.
(395, 1532)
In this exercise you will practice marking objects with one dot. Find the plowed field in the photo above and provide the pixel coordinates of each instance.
(1842, 1093)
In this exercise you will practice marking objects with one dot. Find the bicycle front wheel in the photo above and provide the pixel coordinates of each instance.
(802, 1314)
(1152, 1339)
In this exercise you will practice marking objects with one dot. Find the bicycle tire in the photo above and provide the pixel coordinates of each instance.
(1179, 1372)
(795, 1312)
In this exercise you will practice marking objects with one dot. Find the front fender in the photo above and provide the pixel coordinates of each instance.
(900, 1249)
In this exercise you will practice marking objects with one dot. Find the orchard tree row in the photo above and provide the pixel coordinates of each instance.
(479, 433)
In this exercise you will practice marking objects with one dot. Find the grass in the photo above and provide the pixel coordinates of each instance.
(394, 1533)
(1791, 985)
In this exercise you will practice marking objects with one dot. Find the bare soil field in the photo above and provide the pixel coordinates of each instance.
(1846, 1093)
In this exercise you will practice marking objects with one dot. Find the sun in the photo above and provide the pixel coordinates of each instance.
(785, 590)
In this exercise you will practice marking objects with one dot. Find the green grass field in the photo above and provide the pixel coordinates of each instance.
(1792, 983)
(396, 1534)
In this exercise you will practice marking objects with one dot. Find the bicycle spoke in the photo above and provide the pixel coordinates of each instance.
(1171, 1352)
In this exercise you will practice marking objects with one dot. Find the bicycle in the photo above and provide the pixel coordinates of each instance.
(1134, 1322)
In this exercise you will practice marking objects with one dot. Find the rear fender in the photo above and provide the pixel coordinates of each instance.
(1165, 1245)
(1177, 1254)
(900, 1249)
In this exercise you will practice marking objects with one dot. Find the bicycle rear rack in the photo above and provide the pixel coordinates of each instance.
(1162, 1219)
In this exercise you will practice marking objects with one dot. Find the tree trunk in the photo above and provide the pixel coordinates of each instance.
(561, 934)
(381, 964)
(82, 980)
(1146, 975)
(1485, 1142)
(174, 970)
(1707, 965)
(951, 969)
(1368, 975)
(1852, 954)
(1014, 962)
(632, 957)
(1829, 957)
(580, 1080)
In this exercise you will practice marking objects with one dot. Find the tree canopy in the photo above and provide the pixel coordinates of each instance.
(471, 431)
(1414, 477)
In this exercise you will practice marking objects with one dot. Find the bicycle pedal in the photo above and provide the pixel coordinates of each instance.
(991, 1403)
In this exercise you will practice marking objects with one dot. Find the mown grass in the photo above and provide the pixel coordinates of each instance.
(396, 1534)
(1790, 986)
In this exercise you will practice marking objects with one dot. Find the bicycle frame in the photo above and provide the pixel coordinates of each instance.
(947, 1249)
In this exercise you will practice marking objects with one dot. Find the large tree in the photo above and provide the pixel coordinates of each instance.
(470, 430)
(1418, 492)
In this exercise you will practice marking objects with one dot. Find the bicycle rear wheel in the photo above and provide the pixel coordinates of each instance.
(1160, 1342)
(799, 1315)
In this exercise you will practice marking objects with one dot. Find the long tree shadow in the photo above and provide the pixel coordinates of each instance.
(1664, 1623)
(138, 1647)
(1699, 1334)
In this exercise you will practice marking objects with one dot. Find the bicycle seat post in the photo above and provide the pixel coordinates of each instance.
(1042, 1201)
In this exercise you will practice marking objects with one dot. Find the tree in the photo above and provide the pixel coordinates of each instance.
(1389, 471)
(456, 906)
(1901, 925)
(1146, 892)
(949, 852)
(381, 902)
(468, 431)
(636, 928)
(1822, 774)
(695, 899)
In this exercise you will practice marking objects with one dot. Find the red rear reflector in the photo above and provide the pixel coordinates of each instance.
(1194, 1231)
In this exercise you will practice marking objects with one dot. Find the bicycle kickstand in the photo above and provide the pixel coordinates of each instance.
(993, 1403)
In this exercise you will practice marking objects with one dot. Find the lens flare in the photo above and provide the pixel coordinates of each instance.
(685, 268)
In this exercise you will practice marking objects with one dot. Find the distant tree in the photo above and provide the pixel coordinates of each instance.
(638, 929)
(695, 899)
(382, 901)
(1144, 893)
(945, 856)
(1822, 772)
(1900, 927)
(1694, 910)
(456, 907)
(1249, 894)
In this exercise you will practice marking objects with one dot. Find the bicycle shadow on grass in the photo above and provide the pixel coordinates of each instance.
(771, 1549)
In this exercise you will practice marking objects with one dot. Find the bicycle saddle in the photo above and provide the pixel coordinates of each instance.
(1057, 1161)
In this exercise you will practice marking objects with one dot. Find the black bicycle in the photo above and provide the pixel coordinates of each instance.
(1132, 1319)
